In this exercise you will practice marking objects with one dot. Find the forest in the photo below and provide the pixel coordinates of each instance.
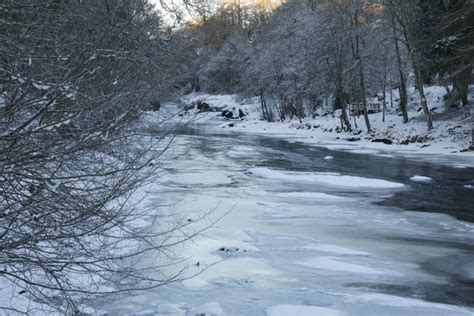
(298, 53)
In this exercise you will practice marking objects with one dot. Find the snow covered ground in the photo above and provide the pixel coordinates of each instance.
(446, 143)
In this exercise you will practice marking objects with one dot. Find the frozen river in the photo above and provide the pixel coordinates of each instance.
(309, 231)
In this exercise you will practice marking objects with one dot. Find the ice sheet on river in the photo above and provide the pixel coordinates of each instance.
(327, 178)
(329, 263)
(417, 178)
(301, 310)
(302, 243)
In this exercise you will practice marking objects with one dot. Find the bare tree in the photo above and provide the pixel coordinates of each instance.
(74, 78)
(357, 15)
(406, 15)
(336, 35)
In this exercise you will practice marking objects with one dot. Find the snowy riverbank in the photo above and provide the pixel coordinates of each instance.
(447, 143)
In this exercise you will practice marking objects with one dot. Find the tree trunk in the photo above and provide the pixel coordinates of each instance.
(355, 121)
(355, 45)
(461, 85)
(421, 90)
(472, 127)
(340, 91)
(265, 113)
(384, 105)
(363, 94)
(402, 82)
(391, 91)
(410, 33)
(197, 86)
(299, 108)
(384, 97)
(279, 103)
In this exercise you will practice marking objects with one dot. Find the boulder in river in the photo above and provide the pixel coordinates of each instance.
(203, 106)
(386, 141)
(227, 114)
(353, 139)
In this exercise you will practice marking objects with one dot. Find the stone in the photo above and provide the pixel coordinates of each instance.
(386, 141)
(353, 139)
(242, 115)
(203, 106)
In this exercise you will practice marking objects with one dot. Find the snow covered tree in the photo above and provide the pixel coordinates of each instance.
(452, 50)
(336, 36)
(408, 17)
(74, 77)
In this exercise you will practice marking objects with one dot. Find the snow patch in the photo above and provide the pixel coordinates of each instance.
(40, 86)
(333, 264)
(208, 309)
(330, 179)
(171, 309)
(310, 196)
(242, 151)
(421, 179)
(301, 310)
(335, 249)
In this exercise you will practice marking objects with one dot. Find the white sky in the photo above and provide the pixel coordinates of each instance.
(179, 5)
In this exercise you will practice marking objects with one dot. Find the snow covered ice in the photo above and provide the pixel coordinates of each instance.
(307, 238)
(417, 178)
(330, 179)
(301, 310)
